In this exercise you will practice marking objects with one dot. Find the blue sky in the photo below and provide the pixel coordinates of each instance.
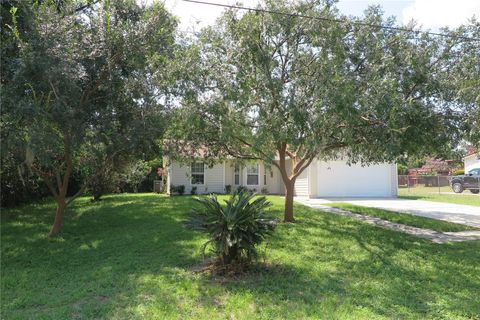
(391, 8)
(429, 14)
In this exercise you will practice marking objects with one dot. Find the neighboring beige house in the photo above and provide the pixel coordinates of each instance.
(320, 179)
(472, 161)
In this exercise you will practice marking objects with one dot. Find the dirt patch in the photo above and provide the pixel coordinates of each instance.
(218, 273)
(80, 305)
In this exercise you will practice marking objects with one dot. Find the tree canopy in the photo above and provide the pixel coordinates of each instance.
(87, 86)
(293, 89)
(85, 78)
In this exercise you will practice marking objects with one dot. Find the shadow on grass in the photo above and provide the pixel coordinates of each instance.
(129, 256)
(333, 266)
(103, 249)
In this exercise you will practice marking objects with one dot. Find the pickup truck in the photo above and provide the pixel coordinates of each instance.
(469, 181)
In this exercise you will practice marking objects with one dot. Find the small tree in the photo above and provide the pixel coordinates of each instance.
(287, 89)
(133, 174)
(102, 170)
(81, 79)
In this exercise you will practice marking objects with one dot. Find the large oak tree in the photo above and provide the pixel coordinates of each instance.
(280, 88)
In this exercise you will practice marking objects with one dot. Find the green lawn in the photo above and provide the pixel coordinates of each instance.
(432, 194)
(129, 257)
(403, 218)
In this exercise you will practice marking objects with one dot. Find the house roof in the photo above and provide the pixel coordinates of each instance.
(187, 150)
(470, 152)
(472, 155)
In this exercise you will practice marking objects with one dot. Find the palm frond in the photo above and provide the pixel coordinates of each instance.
(234, 229)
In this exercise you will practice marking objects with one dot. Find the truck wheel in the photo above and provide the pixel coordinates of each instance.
(475, 191)
(457, 187)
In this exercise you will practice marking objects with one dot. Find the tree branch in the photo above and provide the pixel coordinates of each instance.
(59, 180)
(68, 162)
(290, 154)
(47, 181)
(76, 195)
(86, 6)
(302, 166)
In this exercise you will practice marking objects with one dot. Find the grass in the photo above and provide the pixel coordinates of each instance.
(129, 257)
(431, 194)
(403, 218)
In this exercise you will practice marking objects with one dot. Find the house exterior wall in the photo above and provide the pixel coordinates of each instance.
(213, 181)
(302, 184)
(229, 173)
(243, 174)
(269, 179)
(270, 175)
(222, 174)
(274, 180)
(394, 180)
(320, 179)
(472, 161)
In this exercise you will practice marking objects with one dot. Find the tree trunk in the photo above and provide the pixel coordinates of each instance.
(97, 196)
(230, 256)
(57, 224)
(289, 190)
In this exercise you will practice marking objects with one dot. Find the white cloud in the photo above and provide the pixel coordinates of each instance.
(439, 13)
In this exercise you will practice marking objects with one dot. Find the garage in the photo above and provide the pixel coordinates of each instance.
(337, 179)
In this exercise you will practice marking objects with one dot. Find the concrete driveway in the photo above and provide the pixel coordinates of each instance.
(457, 213)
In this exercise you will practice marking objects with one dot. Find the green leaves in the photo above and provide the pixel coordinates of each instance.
(268, 79)
(236, 228)
(86, 87)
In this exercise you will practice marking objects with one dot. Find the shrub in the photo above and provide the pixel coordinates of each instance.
(242, 189)
(133, 175)
(180, 190)
(103, 180)
(228, 189)
(402, 169)
(19, 185)
(264, 191)
(234, 230)
(193, 191)
(458, 172)
(18, 188)
(428, 173)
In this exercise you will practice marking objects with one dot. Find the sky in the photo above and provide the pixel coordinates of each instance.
(429, 14)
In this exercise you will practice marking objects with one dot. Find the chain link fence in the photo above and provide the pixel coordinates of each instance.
(424, 185)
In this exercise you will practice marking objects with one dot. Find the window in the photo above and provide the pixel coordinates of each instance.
(265, 178)
(197, 170)
(474, 172)
(237, 175)
(252, 175)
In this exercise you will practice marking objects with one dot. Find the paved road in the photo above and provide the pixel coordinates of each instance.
(457, 213)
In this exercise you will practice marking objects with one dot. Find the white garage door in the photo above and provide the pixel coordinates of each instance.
(337, 179)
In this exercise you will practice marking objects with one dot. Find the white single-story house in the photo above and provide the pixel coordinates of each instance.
(472, 161)
(320, 179)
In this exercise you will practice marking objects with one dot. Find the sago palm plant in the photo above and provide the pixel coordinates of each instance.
(234, 229)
